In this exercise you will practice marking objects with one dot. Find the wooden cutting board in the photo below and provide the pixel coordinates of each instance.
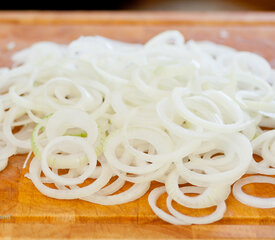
(33, 215)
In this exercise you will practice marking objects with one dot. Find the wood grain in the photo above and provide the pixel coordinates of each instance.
(138, 18)
(34, 215)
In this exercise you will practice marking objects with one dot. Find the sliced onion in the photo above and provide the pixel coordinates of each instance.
(212, 195)
(100, 182)
(242, 158)
(152, 199)
(133, 193)
(61, 120)
(68, 141)
(169, 111)
(213, 217)
(251, 200)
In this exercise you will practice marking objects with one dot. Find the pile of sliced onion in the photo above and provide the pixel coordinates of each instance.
(99, 113)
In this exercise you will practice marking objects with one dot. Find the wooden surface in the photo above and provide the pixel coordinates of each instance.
(33, 215)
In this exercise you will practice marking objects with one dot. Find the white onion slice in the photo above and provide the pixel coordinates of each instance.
(152, 199)
(213, 217)
(133, 193)
(7, 128)
(61, 120)
(242, 158)
(92, 159)
(251, 200)
(212, 195)
(100, 182)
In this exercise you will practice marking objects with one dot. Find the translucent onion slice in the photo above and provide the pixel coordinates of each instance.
(212, 195)
(62, 120)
